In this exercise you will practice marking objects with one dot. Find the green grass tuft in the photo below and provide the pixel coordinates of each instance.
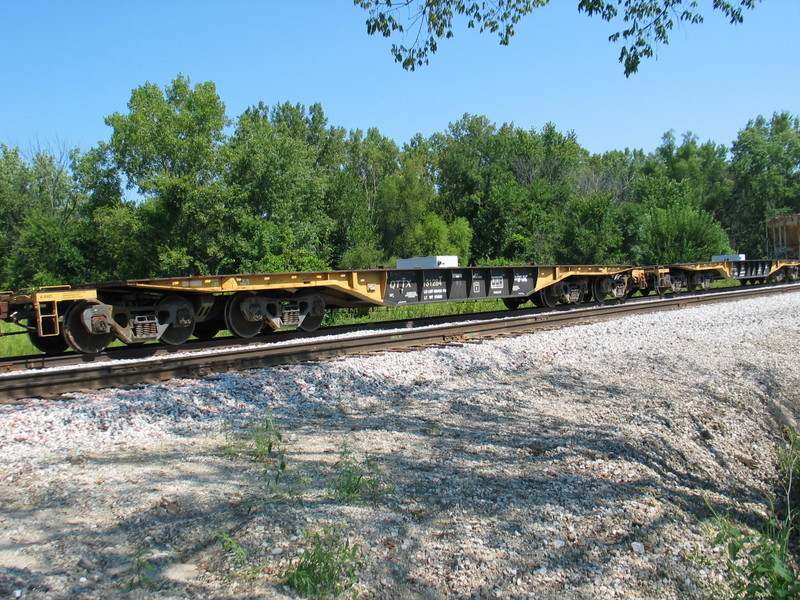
(327, 566)
(360, 481)
(762, 564)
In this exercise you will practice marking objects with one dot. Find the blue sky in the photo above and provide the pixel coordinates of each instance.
(66, 66)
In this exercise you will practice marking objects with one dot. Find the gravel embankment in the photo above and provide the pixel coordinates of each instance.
(575, 463)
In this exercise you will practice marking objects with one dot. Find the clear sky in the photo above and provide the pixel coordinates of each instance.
(65, 66)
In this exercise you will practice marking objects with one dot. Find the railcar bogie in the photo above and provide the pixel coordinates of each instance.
(548, 297)
(569, 291)
(699, 281)
(616, 288)
(666, 282)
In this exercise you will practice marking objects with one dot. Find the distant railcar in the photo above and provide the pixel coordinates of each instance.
(784, 236)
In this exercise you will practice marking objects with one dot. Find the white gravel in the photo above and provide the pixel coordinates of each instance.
(573, 463)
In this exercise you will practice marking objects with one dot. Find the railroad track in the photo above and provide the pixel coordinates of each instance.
(35, 376)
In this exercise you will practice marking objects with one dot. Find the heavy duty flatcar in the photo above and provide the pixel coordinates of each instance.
(87, 318)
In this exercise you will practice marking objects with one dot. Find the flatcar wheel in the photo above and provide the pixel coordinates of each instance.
(179, 313)
(597, 291)
(235, 320)
(77, 336)
(661, 290)
(311, 323)
(51, 344)
(314, 307)
(513, 303)
(207, 330)
(549, 298)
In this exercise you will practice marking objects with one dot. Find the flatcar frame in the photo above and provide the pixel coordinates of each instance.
(88, 317)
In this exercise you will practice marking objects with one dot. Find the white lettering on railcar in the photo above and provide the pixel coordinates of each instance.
(397, 284)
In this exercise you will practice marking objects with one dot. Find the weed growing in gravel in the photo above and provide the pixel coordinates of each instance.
(789, 460)
(360, 481)
(326, 567)
(262, 443)
(235, 445)
(269, 448)
(292, 489)
(142, 572)
(762, 565)
(758, 565)
(236, 552)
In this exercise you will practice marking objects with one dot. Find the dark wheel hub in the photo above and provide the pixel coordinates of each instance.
(239, 316)
(85, 339)
(179, 313)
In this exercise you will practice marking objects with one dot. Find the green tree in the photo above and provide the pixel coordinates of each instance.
(354, 239)
(371, 158)
(657, 189)
(462, 154)
(310, 126)
(613, 172)
(112, 238)
(766, 170)
(403, 204)
(174, 133)
(98, 176)
(42, 232)
(47, 252)
(169, 147)
(353, 202)
(702, 169)
(592, 231)
(277, 196)
(679, 233)
(15, 198)
(407, 223)
(647, 23)
(510, 184)
(113, 230)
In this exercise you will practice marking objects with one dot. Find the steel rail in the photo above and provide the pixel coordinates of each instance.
(35, 381)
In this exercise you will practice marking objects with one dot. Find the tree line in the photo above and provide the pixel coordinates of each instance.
(181, 189)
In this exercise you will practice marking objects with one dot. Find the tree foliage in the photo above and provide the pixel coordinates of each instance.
(647, 23)
(284, 190)
(765, 165)
(172, 133)
(679, 233)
